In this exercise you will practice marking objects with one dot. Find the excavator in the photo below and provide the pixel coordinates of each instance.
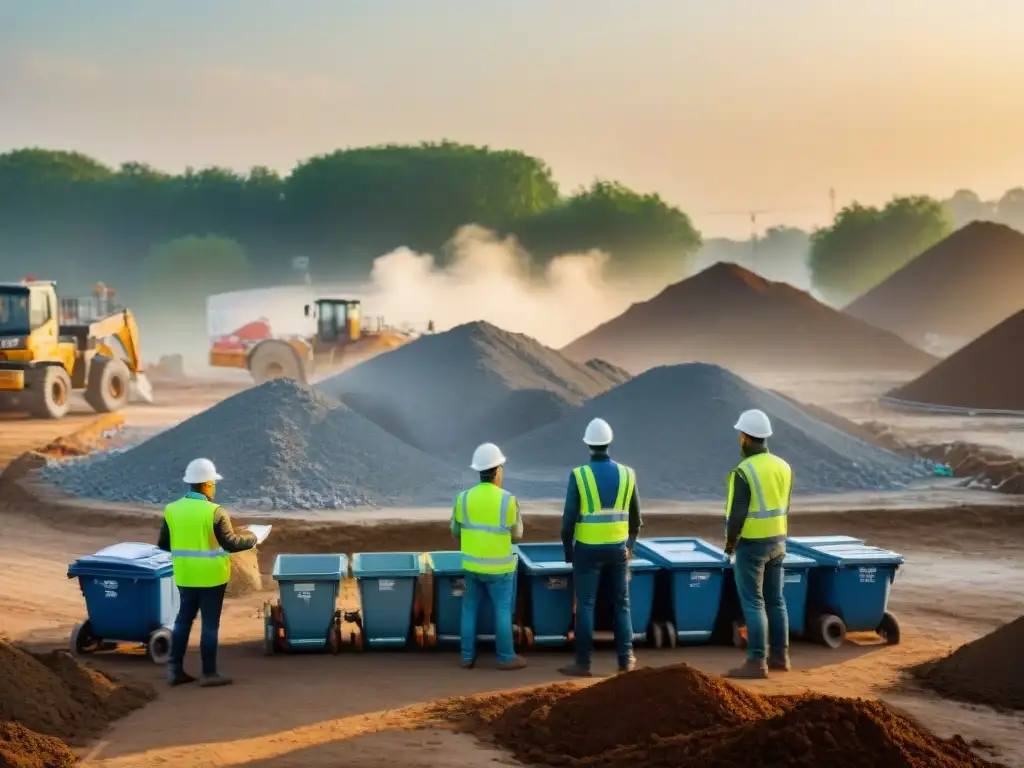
(50, 347)
(340, 340)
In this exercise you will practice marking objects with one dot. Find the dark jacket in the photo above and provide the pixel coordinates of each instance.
(741, 501)
(606, 474)
(227, 538)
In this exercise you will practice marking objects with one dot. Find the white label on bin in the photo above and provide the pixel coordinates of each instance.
(697, 578)
(305, 587)
(558, 583)
(107, 583)
(385, 585)
(793, 578)
(305, 596)
(458, 587)
(867, 575)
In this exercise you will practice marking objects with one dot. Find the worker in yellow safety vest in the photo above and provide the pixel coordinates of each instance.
(756, 525)
(198, 534)
(600, 523)
(486, 520)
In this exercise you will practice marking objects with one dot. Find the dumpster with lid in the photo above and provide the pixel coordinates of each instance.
(130, 597)
(445, 619)
(795, 589)
(849, 588)
(305, 617)
(387, 584)
(548, 615)
(690, 593)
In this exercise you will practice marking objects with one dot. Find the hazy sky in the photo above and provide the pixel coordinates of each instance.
(720, 105)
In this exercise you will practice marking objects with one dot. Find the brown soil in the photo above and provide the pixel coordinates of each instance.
(957, 289)
(53, 694)
(85, 439)
(677, 716)
(22, 748)
(987, 671)
(730, 316)
(987, 373)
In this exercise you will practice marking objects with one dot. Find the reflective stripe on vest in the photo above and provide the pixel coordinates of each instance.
(197, 557)
(603, 526)
(486, 515)
(770, 480)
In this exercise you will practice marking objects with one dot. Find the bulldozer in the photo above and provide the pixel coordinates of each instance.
(340, 340)
(50, 347)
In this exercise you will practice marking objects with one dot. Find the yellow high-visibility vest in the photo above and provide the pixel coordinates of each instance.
(770, 479)
(486, 515)
(603, 526)
(198, 559)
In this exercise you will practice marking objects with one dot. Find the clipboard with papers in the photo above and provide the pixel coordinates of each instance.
(261, 531)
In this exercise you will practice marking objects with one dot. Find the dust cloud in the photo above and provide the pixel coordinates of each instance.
(490, 278)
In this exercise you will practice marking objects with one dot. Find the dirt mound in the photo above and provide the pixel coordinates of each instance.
(730, 316)
(281, 445)
(245, 574)
(986, 374)
(449, 392)
(53, 694)
(987, 671)
(674, 424)
(678, 717)
(954, 291)
(22, 748)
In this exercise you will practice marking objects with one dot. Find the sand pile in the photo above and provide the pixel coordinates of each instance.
(279, 446)
(986, 374)
(730, 316)
(987, 671)
(954, 291)
(674, 426)
(451, 391)
(678, 717)
(245, 574)
(53, 695)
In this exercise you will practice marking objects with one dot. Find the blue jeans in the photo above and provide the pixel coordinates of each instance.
(498, 587)
(207, 601)
(759, 582)
(587, 566)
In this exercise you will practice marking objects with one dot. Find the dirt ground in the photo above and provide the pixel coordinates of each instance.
(961, 579)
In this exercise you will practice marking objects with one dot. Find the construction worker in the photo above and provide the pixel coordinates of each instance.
(756, 523)
(486, 520)
(200, 538)
(600, 523)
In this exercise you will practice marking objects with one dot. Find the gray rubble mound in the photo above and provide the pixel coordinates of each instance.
(674, 425)
(279, 446)
(451, 391)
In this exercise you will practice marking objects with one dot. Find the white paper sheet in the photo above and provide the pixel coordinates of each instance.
(261, 531)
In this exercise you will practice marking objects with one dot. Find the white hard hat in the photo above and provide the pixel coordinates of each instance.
(201, 471)
(754, 423)
(487, 456)
(599, 432)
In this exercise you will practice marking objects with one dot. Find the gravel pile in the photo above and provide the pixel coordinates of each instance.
(279, 446)
(476, 383)
(674, 426)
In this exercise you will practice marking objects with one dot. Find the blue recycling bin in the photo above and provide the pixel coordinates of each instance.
(449, 588)
(548, 587)
(691, 592)
(848, 588)
(130, 597)
(308, 618)
(387, 593)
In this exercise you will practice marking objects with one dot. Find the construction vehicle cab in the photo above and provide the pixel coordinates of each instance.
(45, 353)
(337, 321)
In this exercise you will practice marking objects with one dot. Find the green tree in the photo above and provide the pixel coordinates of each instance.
(865, 245)
(639, 231)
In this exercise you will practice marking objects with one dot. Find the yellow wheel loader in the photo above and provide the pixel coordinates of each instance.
(51, 346)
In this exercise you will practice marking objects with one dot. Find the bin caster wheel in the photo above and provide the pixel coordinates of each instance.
(82, 639)
(419, 636)
(889, 629)
(739, 635)
(671, 638)
(517, 636)
(430, 636)
(656, 635)
(158, 647)
(830, 630)
(269, 630)
(528, 639)
(334, 640)
(356, 638)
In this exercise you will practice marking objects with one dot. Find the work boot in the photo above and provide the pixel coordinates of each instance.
(516, 662)
(575, 670)
(179, 678)
(467, 663)
(779, 662)
(627, 664)
(749, 670)
(215, 681)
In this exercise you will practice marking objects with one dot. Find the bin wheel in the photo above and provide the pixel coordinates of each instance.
(656, 635)
(528, 637)
(419, 636)
(431, 635)
(158, 647)
(356, 638)
(517, 636)
(334, 639)
(889, 629)
(830, 630)
(83, 640)
(269, 630)
(670, 634)
(739, 635)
